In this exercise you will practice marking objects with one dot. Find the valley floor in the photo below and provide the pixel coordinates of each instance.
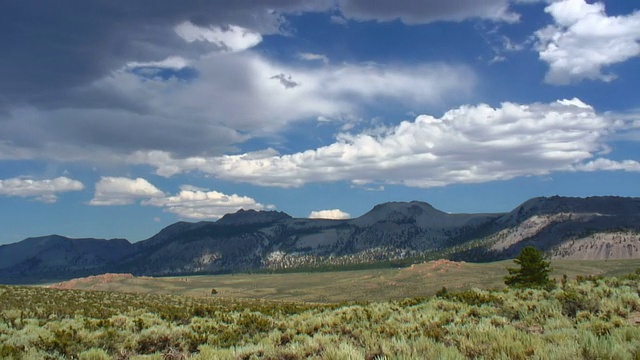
(423, 279)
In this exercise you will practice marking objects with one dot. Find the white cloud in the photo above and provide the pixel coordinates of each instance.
(330, 91)
(470, 144)
(172, 62)
(196, 203)
(414, 85)
(329, 214)
(230, 38)
(313, 57)
(122, 191)
(42, 190)
(601, 164)
(584, 40)
(190, 202)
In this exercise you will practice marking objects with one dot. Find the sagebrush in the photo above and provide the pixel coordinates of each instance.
(590, 318)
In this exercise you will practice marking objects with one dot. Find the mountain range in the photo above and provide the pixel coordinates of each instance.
(394, 233)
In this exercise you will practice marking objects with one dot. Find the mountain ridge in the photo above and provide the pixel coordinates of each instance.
(399, 232)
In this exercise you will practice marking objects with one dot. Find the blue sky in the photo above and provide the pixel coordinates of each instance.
(117, 119)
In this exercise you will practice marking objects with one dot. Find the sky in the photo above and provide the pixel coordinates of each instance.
(118, 118)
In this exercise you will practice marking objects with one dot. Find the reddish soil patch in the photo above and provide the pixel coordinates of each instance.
(90, 280)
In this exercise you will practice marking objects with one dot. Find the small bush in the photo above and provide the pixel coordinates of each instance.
(573, 302)
(474, 297)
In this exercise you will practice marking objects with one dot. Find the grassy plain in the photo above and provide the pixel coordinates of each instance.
(255, 317)
(419, 280)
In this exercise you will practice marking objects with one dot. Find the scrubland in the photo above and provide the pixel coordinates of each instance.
(590, 317)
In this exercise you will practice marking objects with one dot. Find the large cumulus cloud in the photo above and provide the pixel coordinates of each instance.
(469, 144)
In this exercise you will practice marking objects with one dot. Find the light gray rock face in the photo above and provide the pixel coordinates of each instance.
(600, 246)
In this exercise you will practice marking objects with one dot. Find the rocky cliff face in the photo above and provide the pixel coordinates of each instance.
(591, 228)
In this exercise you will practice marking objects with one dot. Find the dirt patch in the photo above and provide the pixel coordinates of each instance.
(431, 268)
(90, 280)
(634, 318)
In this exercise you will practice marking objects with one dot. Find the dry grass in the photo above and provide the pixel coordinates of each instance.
(419, 280)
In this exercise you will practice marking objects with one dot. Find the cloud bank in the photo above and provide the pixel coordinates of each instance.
(469, 144)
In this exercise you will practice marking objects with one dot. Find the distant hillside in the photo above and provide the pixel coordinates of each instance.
(55, 257)
(391, 233)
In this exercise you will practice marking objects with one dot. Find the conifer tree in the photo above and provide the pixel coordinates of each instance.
(533, 271)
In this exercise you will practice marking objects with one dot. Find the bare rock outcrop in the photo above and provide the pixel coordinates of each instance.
(600, 246)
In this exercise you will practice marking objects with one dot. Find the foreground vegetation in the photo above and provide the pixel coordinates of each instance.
(585, 318)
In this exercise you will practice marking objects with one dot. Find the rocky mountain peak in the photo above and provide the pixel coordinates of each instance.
(413, 207)
(245, 217)
(605, 205)
(399, 212)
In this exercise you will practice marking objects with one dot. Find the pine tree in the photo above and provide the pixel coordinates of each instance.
(533, 271)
